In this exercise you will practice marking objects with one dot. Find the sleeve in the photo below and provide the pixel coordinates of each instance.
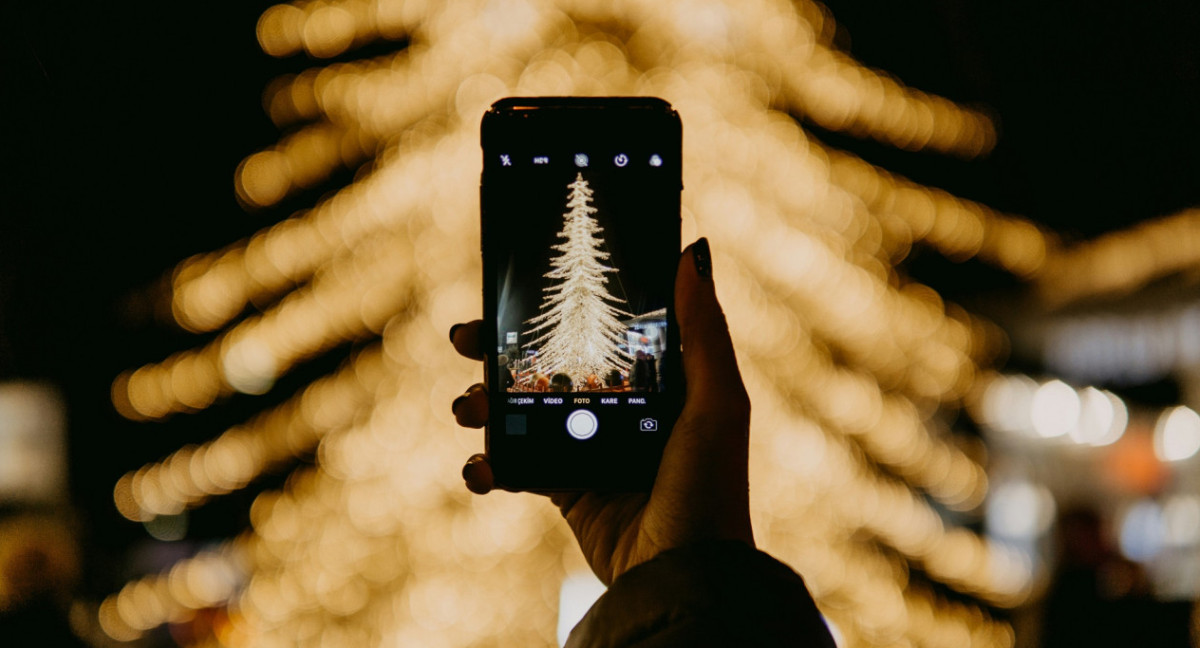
(721, 593)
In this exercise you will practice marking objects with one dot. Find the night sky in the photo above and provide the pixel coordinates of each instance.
(123, 124)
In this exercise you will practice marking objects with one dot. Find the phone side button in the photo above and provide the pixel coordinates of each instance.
(582, 424)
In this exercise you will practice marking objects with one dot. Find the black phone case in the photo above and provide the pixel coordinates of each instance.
(620, 461)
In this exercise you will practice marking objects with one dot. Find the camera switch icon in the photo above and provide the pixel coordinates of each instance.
(649, 425)
(621, 159)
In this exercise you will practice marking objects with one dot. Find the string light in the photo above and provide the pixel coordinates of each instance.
(239, 455)
(848, 362)
(301, 160)
(1120, 262)
(354, 296)
(207, 579)
(958, 228)
(309, 96)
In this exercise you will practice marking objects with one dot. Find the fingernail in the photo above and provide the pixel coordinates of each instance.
(703, 258)
(457, 401)
(469, 468)
(452, 330)
(471, 477)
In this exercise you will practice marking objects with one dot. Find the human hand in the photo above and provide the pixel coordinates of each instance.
(702, 490)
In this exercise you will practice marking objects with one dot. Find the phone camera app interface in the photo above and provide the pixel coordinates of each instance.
(582, 298)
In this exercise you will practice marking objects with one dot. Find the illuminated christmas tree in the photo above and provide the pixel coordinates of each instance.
(854, 369)
(582, 333)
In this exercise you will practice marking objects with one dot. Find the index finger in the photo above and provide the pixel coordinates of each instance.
(465, 338)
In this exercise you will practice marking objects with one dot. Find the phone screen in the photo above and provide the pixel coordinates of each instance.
(580, 204)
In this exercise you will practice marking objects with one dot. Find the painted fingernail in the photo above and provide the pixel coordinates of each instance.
(452, 330)
(703, 258)
(470, 475)
(469, 468)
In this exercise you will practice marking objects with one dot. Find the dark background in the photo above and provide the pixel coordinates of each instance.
(123, 124)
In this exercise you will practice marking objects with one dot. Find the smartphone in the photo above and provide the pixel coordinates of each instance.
(580, 239)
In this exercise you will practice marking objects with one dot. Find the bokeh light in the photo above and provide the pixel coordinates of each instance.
(1020, 510)
(855, 370)
(1054, 409)
(1142, 530)
(1177, 434)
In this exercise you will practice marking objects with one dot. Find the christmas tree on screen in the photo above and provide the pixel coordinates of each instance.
(580, 333)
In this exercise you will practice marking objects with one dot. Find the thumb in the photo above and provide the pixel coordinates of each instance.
(714, 384)
(702, 482)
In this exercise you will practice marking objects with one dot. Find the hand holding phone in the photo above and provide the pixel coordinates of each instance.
(701, 491)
